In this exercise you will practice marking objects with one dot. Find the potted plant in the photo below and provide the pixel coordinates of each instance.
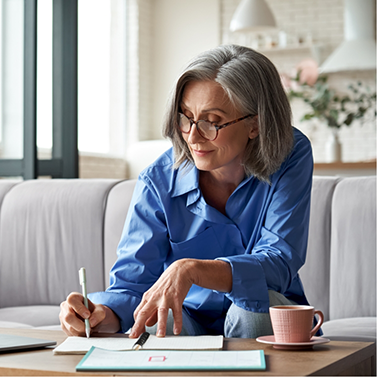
(328, 105)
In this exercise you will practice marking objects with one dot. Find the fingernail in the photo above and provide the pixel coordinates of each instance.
(160, 333)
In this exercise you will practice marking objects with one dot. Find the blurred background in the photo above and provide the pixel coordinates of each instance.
(129, 54)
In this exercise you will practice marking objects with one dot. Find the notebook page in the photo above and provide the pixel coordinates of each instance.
(203, 342)
(81, 345)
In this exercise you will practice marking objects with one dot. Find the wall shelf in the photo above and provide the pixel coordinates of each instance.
(291, 48)
(315, 50)
(346, 168)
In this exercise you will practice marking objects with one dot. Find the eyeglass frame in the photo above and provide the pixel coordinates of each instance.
(217, 127)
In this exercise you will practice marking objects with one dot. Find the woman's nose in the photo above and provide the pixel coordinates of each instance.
(194, 135)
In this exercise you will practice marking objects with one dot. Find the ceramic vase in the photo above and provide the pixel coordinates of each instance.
(333, 147)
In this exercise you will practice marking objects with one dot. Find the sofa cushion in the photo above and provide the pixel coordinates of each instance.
(353, 249)
(33, 315)
(315, 273)
(358, 329)
(14, 325)
(49, 229)
(5, 186)
(116, 211)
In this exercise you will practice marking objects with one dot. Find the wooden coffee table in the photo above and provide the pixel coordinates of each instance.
(334, 358)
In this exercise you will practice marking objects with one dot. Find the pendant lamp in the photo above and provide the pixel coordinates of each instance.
(252, 15)
(358, 50)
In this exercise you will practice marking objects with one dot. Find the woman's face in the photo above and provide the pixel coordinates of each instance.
(206, 100)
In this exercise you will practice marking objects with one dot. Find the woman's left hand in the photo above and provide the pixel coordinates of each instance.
(168, 292)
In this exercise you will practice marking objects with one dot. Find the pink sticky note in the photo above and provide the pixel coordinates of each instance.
(157, 358)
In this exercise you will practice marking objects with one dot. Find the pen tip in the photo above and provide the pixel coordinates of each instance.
(87, 333)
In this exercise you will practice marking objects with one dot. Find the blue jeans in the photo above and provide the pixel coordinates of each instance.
(239, 323)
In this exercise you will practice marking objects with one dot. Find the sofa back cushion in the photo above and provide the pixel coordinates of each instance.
(315, 273)
(48, 230)
(115, 216)
(5, 186)
(353, 249)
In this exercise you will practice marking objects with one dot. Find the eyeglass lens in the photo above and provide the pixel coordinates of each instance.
(205, 129)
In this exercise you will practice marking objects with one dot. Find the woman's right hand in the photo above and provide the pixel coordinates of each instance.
(73, 312)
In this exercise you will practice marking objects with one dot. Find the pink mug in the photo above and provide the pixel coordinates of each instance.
(294, 323)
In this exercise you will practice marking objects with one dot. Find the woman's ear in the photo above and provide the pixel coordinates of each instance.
(254, 128)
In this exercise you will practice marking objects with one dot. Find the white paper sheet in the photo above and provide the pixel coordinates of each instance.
(81, 345)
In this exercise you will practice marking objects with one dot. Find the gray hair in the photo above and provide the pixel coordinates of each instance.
(253, 86)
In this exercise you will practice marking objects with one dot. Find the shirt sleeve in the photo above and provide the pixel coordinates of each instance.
(274, 260)
(142, 252)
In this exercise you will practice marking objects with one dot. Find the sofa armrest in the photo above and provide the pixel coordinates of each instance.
(353, 249)
(315, 273)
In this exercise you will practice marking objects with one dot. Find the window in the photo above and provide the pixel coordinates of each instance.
(79, 79)
(11, 78)
(44, 78)
(101, 76)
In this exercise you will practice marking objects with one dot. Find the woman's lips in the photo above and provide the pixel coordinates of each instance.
(200, 153)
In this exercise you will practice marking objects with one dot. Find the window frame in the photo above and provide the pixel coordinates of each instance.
(64, 161)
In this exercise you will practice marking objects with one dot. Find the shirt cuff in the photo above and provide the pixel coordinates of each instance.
(123, 305)
(249, 290)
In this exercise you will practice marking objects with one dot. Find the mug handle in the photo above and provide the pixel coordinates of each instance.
(319, 324)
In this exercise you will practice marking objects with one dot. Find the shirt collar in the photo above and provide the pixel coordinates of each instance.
(187, 180)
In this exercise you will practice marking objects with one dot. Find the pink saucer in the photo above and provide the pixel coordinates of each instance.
(270, 339)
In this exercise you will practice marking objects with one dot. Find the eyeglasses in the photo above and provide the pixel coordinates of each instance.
(207, 130)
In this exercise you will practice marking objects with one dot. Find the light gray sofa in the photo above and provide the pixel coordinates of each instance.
(51, 228)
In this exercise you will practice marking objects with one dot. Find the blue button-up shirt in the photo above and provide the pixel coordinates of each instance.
(263, 237)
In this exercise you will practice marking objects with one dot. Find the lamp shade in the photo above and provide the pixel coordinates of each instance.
(358, 50)
(252, 15)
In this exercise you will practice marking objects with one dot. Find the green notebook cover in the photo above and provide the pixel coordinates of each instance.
(98, 359)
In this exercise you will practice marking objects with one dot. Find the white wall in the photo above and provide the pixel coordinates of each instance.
(323, 20)
(171, 32)
(180, 30)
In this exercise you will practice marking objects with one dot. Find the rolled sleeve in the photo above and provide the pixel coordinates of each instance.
(120, 303)
(249, 289)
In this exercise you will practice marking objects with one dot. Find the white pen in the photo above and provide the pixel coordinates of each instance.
(82, 275)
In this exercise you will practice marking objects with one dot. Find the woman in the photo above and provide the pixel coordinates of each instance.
(217, 228)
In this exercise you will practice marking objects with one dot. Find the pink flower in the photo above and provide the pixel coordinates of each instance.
(308, 69)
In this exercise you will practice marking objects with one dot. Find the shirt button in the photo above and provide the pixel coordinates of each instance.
(257, 305)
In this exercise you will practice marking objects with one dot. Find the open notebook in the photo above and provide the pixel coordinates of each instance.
(80, 345)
